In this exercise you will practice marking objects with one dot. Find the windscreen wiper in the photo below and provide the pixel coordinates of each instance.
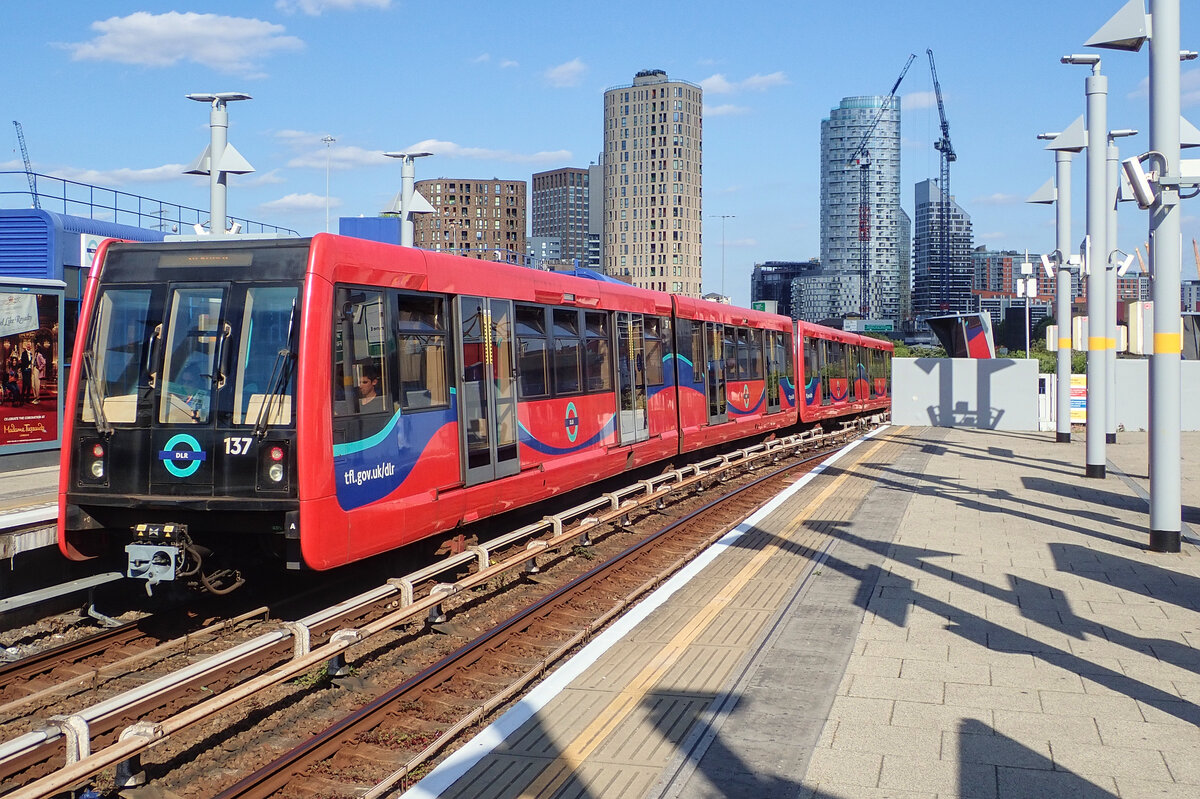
(94, 399)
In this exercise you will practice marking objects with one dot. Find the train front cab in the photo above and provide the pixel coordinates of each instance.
(182, 426)
(735, 370)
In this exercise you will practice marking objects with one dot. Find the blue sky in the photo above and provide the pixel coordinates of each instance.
(508, 89)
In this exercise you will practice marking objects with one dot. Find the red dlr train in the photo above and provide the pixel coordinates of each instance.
(323, 400)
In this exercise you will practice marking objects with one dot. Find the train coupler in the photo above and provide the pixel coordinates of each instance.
(157, 553)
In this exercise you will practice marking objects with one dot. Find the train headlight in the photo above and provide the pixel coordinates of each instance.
(92, 459)
(274, 468)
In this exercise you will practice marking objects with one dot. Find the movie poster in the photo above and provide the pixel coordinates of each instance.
(29, 346)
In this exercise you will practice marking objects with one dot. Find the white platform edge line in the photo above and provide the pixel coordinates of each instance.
(456, 765)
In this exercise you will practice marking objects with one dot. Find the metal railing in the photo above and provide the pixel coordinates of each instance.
(111, 205)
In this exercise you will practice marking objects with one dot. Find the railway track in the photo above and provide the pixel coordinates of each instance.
(351, 757)
(115, 732)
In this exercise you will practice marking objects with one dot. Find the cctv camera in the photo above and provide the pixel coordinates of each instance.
(1124, 266)
(1139, 181)
(1048, 265)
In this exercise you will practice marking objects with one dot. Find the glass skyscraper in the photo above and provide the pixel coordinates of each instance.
(845, 221)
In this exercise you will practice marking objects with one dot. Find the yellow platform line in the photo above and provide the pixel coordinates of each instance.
(568, 761)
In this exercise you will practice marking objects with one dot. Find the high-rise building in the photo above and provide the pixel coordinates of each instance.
(848, 225)
(941, 282)
(482, 219)
(595, 233)
(652, 183)
(905, 281)
(560, 210)
(773, 281)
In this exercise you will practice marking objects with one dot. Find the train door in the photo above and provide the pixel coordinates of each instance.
(714, 349)
(487, 390)
(774, 362)
(633, 424)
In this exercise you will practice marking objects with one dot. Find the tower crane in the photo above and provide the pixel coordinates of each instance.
(946, 149)
(861, 157)
(28, 167)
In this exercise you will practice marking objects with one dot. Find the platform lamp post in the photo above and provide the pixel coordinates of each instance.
(328, 140)
(1064, 145)
(219, 158)
(1158, 192)
(409, 201)
(1112, 272)
(723, 217)
(1096, 89)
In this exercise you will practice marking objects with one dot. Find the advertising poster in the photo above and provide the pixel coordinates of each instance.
(1078, 399)
(29, 346)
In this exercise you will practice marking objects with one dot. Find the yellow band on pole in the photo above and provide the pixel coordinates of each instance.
(1167, 343)
(1064, 343)
(1097, 343)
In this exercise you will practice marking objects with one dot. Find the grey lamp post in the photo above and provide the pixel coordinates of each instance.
(723, 217)
(1064, 145)
(220, 158)
(329, 140)
(409, 201)
(1096, 88)
(1112, 272)
(1158, 192)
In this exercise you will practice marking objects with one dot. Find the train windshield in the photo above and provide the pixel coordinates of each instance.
(193, 354)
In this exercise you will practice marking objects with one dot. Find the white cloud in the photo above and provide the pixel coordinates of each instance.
(726, 110)
(449, 149)
(339, 158)
(716, 84)
(314, 8)
(300, 202)
(261, 179)
(742, 243)
(719, 84)
(918, 100)
(566, 75)
(507, 63)
(232, 45)
(999, 198)
(481, 58)
(1189, 88)
(123, 176)
(760, 83)
(312, 153)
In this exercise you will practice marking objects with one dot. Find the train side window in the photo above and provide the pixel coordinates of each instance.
(532, 348)
(826, 359)
(362, 383)
(812, 364)
(756, 355)
(698, 352)
(421, 339)
(567, 359)
(652, 332)
(730, 354)
(598, 361)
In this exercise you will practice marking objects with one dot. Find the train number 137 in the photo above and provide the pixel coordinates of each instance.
(237, 445)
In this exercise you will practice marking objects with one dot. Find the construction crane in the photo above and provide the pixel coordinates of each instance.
(946, 149)
(861, 157)
(28, 167)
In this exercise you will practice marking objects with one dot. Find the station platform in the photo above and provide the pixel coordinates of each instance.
(936, 613)
(28, 509)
